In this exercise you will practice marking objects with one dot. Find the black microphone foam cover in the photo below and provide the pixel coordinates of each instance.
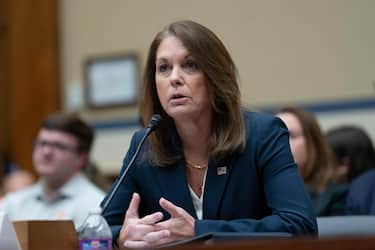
(154, 122)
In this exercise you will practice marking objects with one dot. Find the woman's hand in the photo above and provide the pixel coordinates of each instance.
(141, 232)
(180, 226)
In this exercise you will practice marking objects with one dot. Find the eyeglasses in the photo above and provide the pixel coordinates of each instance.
(54, 145)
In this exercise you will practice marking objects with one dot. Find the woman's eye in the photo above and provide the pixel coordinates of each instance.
(163, 68)
(191, 66)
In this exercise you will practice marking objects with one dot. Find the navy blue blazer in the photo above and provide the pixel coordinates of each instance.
(261, 190)
(361, 197)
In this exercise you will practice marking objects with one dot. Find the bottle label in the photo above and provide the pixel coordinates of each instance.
(95, 244)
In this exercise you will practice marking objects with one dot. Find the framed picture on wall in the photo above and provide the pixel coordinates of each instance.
(111, 81)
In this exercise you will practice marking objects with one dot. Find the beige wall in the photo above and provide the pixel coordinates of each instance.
(287, 51)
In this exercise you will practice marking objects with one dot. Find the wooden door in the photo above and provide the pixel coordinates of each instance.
(30, 75)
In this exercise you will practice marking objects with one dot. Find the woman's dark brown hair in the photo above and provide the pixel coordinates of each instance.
(318, 171)
(228, 132)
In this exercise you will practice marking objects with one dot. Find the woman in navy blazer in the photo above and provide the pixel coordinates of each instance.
(209, 166)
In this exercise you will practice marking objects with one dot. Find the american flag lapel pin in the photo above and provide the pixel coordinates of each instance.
(222, 170)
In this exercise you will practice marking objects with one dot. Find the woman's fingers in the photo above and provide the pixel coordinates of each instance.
(181, 224)
(135, 244)
(141, 232)
(156, 237)
(150, 231)
(131, 217)
(138, 231)
(132, 211)
(172, 209)
(140, 227)
(151, 239)
(151, 218)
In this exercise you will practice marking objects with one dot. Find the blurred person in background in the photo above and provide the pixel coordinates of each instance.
(361, 197)
(17, 180)
(13, 178)
(353, 150)
(315, 161)
(355, 162)
(61, 151)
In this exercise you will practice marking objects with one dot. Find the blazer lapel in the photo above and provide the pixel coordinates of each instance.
(174, 187)
(216, 179)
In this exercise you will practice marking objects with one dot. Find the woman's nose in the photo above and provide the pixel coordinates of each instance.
(176, 78)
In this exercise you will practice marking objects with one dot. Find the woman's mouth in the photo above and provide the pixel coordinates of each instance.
(178, 99)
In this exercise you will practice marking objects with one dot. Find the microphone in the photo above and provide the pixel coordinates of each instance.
(152, 125)
(154, 122)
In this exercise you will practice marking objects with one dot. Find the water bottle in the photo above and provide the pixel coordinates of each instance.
(95, 234)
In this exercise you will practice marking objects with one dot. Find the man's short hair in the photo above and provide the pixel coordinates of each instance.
(74, 125)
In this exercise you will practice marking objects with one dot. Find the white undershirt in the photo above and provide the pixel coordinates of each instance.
(198, 201)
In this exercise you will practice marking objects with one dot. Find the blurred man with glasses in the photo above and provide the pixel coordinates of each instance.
(61, 151)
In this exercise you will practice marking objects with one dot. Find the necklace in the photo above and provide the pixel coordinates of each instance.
(196, 166)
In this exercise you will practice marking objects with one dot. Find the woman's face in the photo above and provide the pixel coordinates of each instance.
(297, 139)
(181, 85)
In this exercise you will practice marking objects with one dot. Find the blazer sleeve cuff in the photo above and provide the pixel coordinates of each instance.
(205, 226)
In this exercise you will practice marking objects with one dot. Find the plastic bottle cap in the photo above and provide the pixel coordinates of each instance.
(96, 210)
